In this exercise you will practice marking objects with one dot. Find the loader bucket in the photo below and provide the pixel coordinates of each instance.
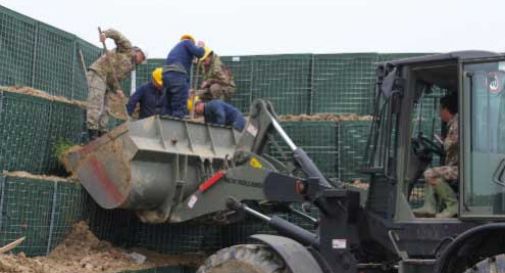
(152, 162)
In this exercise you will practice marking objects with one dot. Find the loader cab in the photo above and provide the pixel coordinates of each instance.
(407, 133)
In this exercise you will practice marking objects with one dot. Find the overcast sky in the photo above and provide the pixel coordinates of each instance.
(247, 27)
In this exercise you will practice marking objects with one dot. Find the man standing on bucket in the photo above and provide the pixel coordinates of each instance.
(103, 77)
(176, 73)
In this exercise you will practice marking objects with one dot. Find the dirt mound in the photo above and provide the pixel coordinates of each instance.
(41, 94)
(83, 252)
(23, 174)
(324, 117)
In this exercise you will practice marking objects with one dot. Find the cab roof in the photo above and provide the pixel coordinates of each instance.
(457, 55)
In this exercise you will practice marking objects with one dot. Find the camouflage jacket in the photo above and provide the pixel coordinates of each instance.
(119, 61)
(451, 146)
(451, 143)
(216, 72)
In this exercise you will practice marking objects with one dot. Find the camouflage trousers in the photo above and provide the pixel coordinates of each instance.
(436, 175)
(216, 91)
(97, 114)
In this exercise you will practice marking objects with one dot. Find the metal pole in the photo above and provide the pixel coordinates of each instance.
(133, 81)
(257, 214)
(51, 223)
(283, 134)
(2, 197)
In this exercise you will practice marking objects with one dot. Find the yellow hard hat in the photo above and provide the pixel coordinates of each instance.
(192, 102)
(188, 37)
(157, 76)
(208, 51)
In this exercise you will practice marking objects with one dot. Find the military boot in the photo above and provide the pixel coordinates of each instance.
(93, 134)
(429, 208)
(448, 198)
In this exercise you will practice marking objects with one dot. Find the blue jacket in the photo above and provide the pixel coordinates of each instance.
(222, 113)
(152, 101)
(183, 53)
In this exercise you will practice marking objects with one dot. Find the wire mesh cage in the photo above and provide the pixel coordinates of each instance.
(24, 130)
(352, 144)
(17, 41)
(317, 138)
(284, 80)
(30, 129)
(343, 83)
(43, 211)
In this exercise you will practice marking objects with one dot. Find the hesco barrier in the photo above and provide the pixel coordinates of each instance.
(284, 80)
(337, 148)
(352, 144)
(31, 126)
(318, 138)
(35, 54)
(300, 83)
(41, 210)
(343, 83)
(144, 71)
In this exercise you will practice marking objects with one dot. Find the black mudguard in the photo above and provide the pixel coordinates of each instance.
(461, 240)
(297, 258)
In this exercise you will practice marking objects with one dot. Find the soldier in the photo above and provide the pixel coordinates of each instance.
(103, 77)
(438, 178)
(217, 79)
(150, 96)
(176, 74)
(220, 113)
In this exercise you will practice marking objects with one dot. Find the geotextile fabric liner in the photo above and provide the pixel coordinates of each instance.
(31, 126)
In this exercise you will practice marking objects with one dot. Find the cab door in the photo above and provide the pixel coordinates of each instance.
(482, 138)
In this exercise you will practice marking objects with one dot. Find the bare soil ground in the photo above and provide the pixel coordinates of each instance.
(83, 252)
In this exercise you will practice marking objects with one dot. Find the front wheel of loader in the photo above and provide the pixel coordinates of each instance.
(489, 265)
(251, 258)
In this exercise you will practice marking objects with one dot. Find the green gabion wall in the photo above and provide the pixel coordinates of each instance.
(300, 83)
(41, 210)
(35, 54)
(30, 127)
(337, 148)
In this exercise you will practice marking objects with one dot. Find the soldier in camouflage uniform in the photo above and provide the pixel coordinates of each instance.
(438, 178)
(103, 77)
(217, 79)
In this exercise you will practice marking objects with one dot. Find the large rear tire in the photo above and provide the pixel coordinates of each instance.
(495, 264)
(251, 258)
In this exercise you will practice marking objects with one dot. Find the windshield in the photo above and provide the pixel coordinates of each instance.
(484, 134)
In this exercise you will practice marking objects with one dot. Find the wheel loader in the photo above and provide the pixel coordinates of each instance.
(170, 170)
